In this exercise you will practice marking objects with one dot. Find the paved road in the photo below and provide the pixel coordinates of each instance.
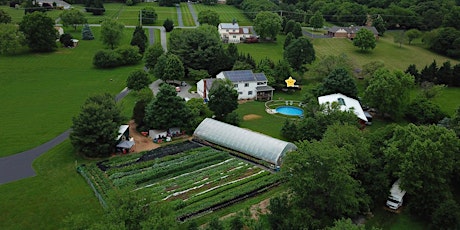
(19, 166)
(179, 15)
(155, 87)
(192, 11)
(151, 36)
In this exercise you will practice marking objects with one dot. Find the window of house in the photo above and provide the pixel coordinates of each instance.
(341, 101)
(234, 36)
(226, 30)
(246, 84)
(261, 83)
(235, 85)
(240, 92)
(249, 92)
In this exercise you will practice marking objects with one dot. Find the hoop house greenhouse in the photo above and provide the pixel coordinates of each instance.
(245, 141)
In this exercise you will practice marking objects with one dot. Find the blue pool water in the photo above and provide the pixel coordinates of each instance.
(289, 110)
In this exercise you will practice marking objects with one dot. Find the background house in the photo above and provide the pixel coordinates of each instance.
(248, 84)
(350, 32)
(233, 33)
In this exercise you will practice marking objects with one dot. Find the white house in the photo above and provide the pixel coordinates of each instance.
(233, 33)
(346, 104)
(248, 84)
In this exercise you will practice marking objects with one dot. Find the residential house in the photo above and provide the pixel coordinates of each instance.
(233, 33)
(350, 32)
(248, 84)
(346, 104)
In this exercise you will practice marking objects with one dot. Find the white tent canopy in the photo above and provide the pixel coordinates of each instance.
(254, 144)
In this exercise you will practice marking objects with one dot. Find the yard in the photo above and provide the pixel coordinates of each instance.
(226, 13)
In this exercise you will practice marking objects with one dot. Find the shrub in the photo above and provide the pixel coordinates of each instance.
(168, 25)
(106, 59)
(66, 40)
(86, 33)
(129, 55)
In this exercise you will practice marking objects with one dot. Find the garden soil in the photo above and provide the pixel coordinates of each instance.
(249, 117)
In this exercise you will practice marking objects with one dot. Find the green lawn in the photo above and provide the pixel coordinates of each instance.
(386, 51)
(392, 221)
(43, 201)
(226, 13)
(272, 50)
(448, 100)
(43, 92)
(187, 18)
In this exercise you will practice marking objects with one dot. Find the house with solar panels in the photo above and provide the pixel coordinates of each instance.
(249, 85)
(233, 33)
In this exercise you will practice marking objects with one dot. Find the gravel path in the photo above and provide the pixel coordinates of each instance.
(192, 11)
(179, 16)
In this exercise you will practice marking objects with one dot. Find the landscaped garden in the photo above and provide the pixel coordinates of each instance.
(195, 179)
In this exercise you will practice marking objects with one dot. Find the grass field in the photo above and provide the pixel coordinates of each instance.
(44, 201)
(386, 51)
(272, 50)
(226, 13)
(43, 92)
(187, 18)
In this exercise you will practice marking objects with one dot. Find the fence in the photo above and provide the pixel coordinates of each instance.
(80, 169)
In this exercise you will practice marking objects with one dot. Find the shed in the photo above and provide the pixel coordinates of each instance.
(123, 133)
(245, 141)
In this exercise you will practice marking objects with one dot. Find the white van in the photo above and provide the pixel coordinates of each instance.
(395, 199)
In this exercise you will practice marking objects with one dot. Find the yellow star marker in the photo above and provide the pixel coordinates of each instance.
(290, 82)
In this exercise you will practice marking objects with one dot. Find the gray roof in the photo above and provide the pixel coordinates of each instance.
(229, 26)
(264, 88)
(125, 144)
(353, 29)
(242, 140)
(244, 75)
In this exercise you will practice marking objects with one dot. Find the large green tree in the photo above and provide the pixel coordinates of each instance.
(209, 17)
(223, 98)
(167, 110)
(139, 39)
(11, 39)
(267, 25)
(95, 128)
(137, 80)
(317, 20)
(338, 81)
(389, 91)
(169, 67)
(73, 18)
(199, 111)
(321, 68)
(39, 31)
(424, 157)
(364, 39)
(299, 52)
(111, 32)
(200, 48)
(152, 54)
(4, 17)
(412, 34)
(148, 15)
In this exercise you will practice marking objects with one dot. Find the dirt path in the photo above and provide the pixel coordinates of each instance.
(142, 143)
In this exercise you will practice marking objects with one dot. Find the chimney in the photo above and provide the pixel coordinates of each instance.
(204, 89)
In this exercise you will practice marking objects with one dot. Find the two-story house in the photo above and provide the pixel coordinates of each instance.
(249, 85)
(233, 33)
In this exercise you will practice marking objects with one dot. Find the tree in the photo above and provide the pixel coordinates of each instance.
(209, 2)
(423, 111)
(239, 65)
(111, 32)
(447, 215)
(86, 33)
(215, 224)
(297, 30)
(137, 80)
(379, 24)
(4, 17)
(299, 52)
(267, 66)
(399, 37)
(152, 54)
(11, 39)
(317, 20)
(338, 81)
(389, 92)
(95, 128)
(95, 6)
(289, 26)
(412, 34)
(452, 18)
(424, 158)
(167, 110)
(223, 98)
(168, 25)
(169, 67)
(66, 40)
(198, 110)
(236, 223)
(289, 38)
(209, 17)
(200, 48)
(73, 18)
(281, 72)
(39, 32)
(370, 68)
(148, 15)
(267, 25)
(139, 39)
(325, 65)
(168, 2)
(364, 39)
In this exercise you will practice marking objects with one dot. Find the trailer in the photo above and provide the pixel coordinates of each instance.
(395, 199)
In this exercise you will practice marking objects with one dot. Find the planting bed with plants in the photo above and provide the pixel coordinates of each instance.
(195, 179)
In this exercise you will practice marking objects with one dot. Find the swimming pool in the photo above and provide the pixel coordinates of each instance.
(289, 110)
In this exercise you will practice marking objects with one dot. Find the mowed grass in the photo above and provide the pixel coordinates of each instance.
(448, 100)
(226, 13)
(386, 51)
(187, 18)
(44, 201)
(42, 92)
(259, 51)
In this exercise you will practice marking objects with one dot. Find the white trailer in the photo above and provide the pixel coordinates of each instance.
(395, 199)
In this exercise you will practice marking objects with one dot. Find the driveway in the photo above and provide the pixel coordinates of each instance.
(155, 87)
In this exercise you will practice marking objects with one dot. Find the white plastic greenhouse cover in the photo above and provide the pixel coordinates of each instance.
(242, 140)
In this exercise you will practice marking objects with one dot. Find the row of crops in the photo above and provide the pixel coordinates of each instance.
(195, 180)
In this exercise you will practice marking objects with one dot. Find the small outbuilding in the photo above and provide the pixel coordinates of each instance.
(346, 104)
(253, 144)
